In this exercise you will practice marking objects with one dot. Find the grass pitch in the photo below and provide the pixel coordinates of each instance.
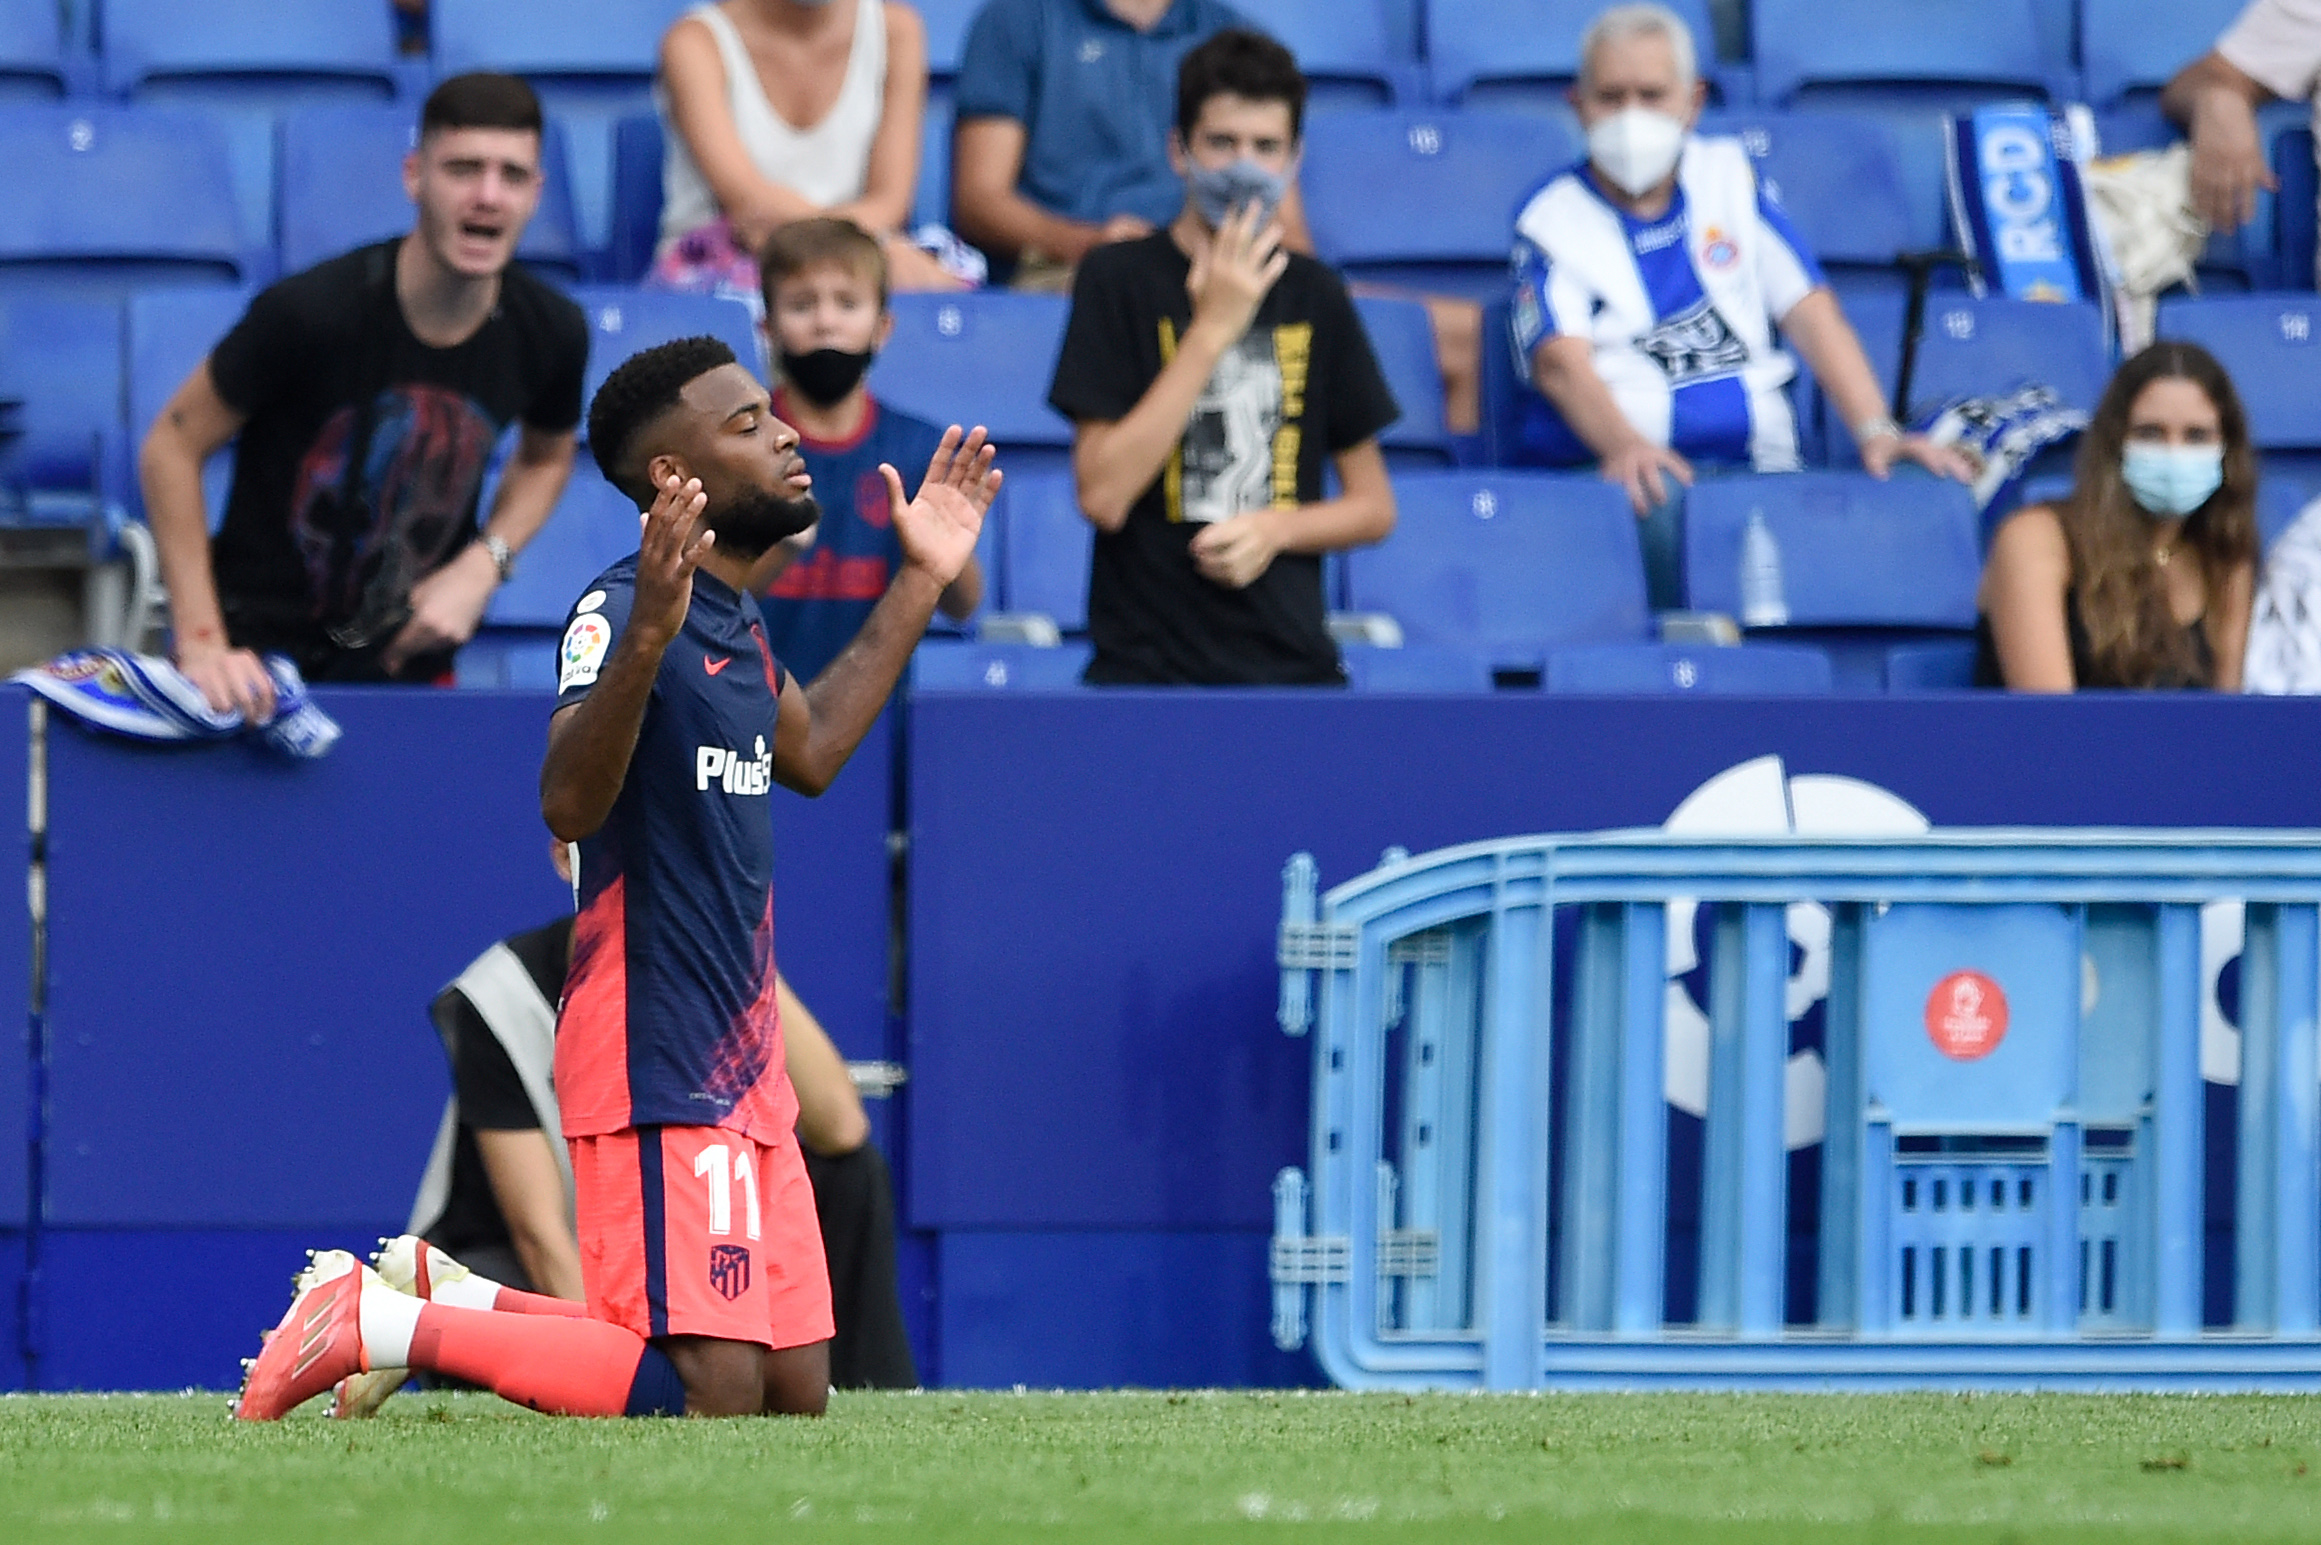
(947, 1466)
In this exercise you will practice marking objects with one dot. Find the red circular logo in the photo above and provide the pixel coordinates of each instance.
(1966, 1016)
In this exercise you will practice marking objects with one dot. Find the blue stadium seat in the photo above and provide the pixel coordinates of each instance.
(1938, 51)
(1765, 670)
(342, 186)
(60, 356)
(1426, 198)
(1945, 665)
(2130, 46)
(1404, 341)
(947, 23)
(980, 358)
(1504, 380)
(1524, 54)
(170, 332)
(588, 75)
(1354, 53)
(36, 63)
(1506, 564)
(1415, 668)
(594, 526)
(1977, 348)
(289, 52)
(2281, 498)
(634, 225)
(103, 198)
(931, 200)
(1046, 547)
(2294, 209)
(519, 660)
(1837, 175)
(2270, 345)
(619, 47)
(964, 665)
(1856, 551)
(622, 322)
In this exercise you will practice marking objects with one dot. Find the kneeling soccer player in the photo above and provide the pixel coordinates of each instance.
(707, 1291)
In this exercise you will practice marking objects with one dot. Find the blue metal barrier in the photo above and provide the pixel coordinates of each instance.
(2011, 1183)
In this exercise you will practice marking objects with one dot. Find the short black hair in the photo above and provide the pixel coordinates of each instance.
(644, 387)
(481, 99)
(1239, 62)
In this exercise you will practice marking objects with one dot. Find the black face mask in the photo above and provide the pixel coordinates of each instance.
(824, 376)
(753, 521)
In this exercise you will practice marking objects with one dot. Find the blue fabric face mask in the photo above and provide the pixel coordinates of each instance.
(1218, 191)
(2172, 480)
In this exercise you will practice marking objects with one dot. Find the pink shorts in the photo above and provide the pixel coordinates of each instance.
(700, 1231)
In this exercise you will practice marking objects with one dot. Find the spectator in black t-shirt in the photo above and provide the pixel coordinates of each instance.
(1209, 372)
(369, 392)
(502, 1204)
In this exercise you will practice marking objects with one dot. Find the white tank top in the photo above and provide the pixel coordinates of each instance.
(828, 162)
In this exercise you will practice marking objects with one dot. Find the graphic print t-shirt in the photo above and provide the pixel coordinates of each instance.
(815, 606)
(1301, 386)
(317, 557)
(668, 1016)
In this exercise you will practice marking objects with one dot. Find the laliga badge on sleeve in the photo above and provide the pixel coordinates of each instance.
(586, 643)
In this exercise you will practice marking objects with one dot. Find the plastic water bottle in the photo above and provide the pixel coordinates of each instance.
(1764, 601)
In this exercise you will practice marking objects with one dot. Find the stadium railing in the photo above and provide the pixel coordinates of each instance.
(2011, 1180)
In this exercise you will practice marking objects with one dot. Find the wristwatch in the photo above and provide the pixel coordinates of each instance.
(1871, 429)
(503, 557)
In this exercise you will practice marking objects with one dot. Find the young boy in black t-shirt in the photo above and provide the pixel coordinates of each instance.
(1209, 372)
(368, 392)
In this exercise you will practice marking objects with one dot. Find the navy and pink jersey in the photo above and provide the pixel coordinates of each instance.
(668, 1016)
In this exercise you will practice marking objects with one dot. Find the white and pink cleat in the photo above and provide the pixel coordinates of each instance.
(318, 1343)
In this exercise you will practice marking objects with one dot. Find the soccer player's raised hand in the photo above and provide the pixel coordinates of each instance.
(938, 529)
(667, 554)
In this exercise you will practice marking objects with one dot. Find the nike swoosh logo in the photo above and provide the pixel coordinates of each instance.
(714, 666)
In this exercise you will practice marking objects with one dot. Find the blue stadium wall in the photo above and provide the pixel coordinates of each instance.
(234, 1061)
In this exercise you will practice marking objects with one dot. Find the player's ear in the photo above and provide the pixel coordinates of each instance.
(885, 330)
(665, 466)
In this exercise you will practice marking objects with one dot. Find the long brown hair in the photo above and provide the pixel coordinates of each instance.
(2123, 596)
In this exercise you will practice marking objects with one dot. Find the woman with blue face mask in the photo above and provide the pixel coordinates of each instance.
(2142, 576)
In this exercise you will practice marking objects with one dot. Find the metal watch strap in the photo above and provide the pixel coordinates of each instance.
(503, 557)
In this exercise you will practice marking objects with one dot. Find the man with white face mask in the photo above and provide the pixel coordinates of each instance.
(1648, 282)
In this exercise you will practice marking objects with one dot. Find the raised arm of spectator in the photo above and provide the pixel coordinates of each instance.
(821, 724)
(1114, 462)
(195, 424)
(448, 605)
(528, 1184)
(2216, 102)
(1820, 331)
